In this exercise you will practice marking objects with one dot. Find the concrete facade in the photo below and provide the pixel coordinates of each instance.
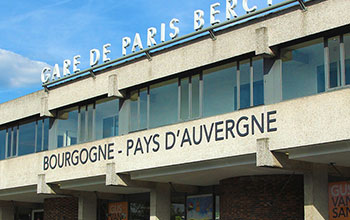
(300, 141)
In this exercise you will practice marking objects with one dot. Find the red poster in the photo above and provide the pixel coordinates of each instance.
(118, 211)
(339, 201)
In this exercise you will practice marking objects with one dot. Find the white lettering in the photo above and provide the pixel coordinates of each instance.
(247, 9)
(214, 12)
(198, 20)
(137, 43)
(230, 6)
(151, 33)
(162, 32)
(94, 57)
(66, 66)
(45, 75)
(125, 42)
(105, 52)
(173, 27)
(56, 72)
(76, 63)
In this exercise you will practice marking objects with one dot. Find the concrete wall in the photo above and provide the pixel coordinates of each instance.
(295, 123)
(243, 39)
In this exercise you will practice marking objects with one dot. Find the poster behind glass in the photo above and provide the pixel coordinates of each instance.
(118, 211)
(200, 207)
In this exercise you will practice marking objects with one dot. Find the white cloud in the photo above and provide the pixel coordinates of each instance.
(17, 71)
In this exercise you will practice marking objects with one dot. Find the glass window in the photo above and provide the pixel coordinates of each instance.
(258, 78)
(334, 62)
(347, 58)
(46, 134)
(244, 70)
(185, 108)
(2, 144)
(26, 136)
(67, 127)
(139, 210)
(163, 103)
(219, 90)
(303, 69)
(143, 108)
(42, 140)
(83, 118)
(195, 108)
(134, 110)
(106, 124)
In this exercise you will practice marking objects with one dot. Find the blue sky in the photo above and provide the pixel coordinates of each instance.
(40, 33)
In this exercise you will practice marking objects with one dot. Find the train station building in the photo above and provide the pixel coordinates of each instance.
(248, 119)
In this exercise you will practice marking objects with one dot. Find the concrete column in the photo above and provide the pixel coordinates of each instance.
(7, 213)
(316, 193)
(87, 207)
(160, 202)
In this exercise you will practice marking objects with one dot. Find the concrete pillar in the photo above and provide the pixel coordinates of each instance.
(160, 202)
(316, 193)
(7, 213)
(87, 207)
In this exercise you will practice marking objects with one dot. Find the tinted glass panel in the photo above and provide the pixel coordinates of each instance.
(258, 86)
(244, 68)
(106, 124)
(163, 103)
(334, 60)
(303, 69)
(219, 90)
(39, 139)
(9, 142)
(134, 106)
(143, 109)
(195, 96)
(184, 105)
(82, 124)
(46, 133)
(2, 144)
(67, 127)
(347, 58)
(26, 143)
(14, 141)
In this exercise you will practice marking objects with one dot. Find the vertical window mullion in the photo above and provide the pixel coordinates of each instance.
(17, 140)
(36, 137)
(251, 82)
(79, 127)
(201, 87)
(86, 135)
(342, 60)
(6, 143)
(326, 63)
(94, 121)
(190, 97)
(238, 86)
(179, 100)
(148, 106)
(138, 110)
(11, 153)
(43, 134)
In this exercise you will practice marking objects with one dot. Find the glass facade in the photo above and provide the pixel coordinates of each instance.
(306, 68)
(303, 69)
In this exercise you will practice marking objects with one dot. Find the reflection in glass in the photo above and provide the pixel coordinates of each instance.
(184, 110)
(143, 108)
(195, 96)
(26, 137)
(347, 58)
(163, 103)
(2, 144)
(106, 124)
(258, 79)
(334, 62)
(67, 127)
(134, 106)
(303, 69)
(219, 90)
(244, 69)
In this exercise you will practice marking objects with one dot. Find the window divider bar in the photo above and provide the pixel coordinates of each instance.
(190, 97)
(148, 106)
(17, 140)
(238, 86)
(342, 60)
(6, 143)
(79, 127)
(326, 64)
(138, 110)
(201, 87)
(179, 100)
(251, 82)
(43, 134)
(36, 137)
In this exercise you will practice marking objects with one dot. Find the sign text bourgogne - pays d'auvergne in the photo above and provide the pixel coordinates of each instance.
(186, 137)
